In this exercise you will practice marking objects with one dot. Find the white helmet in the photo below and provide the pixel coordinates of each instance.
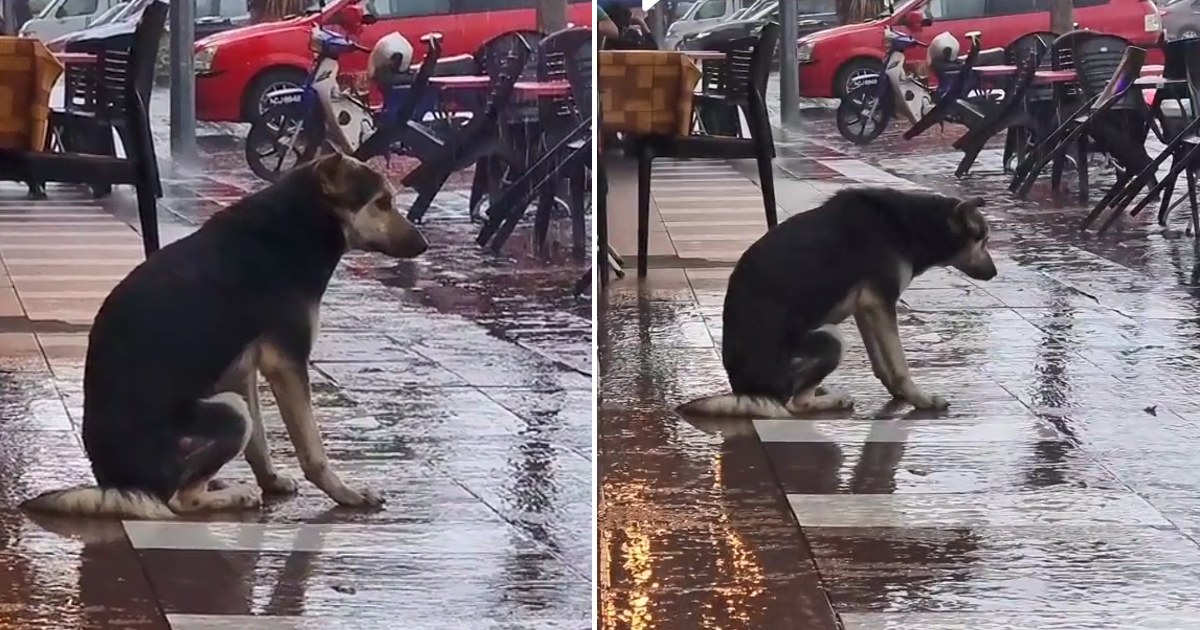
(944, 47)
(392, 53)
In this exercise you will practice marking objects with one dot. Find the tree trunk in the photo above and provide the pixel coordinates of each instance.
(551, 15)
(1062, 18)
(850, 11)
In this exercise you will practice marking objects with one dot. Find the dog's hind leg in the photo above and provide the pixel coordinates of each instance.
(815, 356)
(216, 432)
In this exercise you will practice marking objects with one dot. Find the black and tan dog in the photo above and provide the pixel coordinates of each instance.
(170, 384)
(853, 255)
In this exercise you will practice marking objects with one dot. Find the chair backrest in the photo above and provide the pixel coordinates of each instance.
(575, 46)
(1175, 55)
(1101, 62)
(495, 53)
(1062, 50)
(747, 70)
(1191, 61)
(552, 57)
(1038, 42)
(126, 77)
(1120, 82)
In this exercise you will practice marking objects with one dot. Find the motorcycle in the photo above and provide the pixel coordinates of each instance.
(866, 110)
(297, 121)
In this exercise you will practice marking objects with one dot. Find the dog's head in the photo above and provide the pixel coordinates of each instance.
(970, 228)
(362, 200)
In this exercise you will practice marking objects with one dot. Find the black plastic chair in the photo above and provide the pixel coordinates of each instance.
(569, 156)
(396, 128)
(1010, 117)
(1106, 67)
(479, 137)
(119, 104)
(80, 126)
(951, 103)
(1183, 58)
(745, 85)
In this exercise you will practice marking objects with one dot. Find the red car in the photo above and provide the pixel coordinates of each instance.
(236, 68)
(833, 58)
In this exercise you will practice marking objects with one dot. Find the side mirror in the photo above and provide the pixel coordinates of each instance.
(927, 22)
(369, 19)
(914, 20)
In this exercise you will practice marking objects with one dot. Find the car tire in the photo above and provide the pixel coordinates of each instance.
(852, 69)
(254, 102)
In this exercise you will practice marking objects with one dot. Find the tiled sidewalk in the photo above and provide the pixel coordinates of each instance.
(449, 384)
(1058, 491)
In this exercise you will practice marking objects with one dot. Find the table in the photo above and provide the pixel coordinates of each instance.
(995, 71)
(1053, 76)
(462, 82)
(537, 89)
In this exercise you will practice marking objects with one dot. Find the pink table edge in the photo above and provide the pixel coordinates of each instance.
(461, 81)
(538, 87)
(704, 54)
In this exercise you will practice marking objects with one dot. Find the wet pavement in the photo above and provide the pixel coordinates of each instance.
(458, 385)
(1058, 491)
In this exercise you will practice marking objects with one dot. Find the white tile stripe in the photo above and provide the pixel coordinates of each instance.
(867, 174)
(257, 622)
(933, 432)
(1051, 508)
(1146, 619)
(132, 245)
(342, 538)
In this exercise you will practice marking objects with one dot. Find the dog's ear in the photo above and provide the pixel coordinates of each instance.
(332, 172)
(968, 220)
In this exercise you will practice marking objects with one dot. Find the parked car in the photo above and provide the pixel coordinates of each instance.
(702, 15)
(832, 59)
(814, 15)
(60, 17)
(212, 16)
(1181, 18)
(235, 69)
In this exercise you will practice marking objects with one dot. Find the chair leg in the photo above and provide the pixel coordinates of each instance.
(766, 176)
(601, 216)
(578, 184)
(1164, 206)
(541, 218)
(147, 202)
(425, 199)
(479, 185)
(1118, 187)
(1081, 167)
(645, 162)
(1191, 181)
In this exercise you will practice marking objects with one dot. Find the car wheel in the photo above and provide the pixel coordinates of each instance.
(255, 103)
(852, 72)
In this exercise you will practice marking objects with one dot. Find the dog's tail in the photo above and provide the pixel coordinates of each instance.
(104, 502)
(736, 406)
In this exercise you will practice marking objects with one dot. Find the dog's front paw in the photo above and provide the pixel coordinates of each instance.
(244, 496)
(362, 498)
(279, 484)
(931, 402)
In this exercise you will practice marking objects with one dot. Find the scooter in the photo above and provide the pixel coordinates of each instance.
(866, 110)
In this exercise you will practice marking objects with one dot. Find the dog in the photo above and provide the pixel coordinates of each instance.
(851, 256)
(170, 380)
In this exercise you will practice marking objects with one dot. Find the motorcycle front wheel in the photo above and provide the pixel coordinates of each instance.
(863, 114)
(280, 140)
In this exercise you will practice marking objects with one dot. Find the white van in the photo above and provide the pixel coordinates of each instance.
(701, 15)
(60, 17)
